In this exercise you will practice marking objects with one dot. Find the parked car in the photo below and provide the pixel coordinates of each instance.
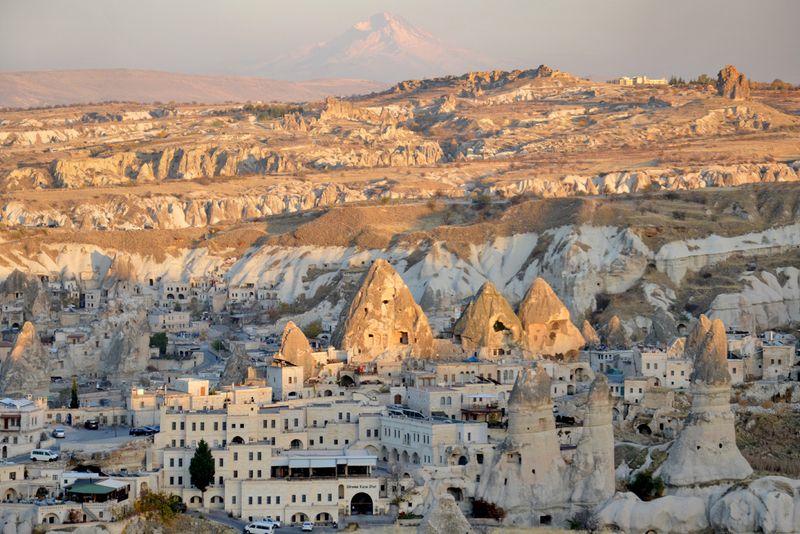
(59, 433)
(155, 429)
(308, 526)
(275, 522)
(141, 431)
(44, 455)
(259, 527)
(91, 424)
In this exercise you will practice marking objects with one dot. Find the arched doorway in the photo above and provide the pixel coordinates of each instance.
(415, 458)
(328, 393)
(296, 444)
(50, 519)
(11, 495)
(361, 504)
(323, 517)
(217, 502)
(404, 457)
(237, 440)
(644, 429)
(196, 500)
(462, 460)
(457, 493)
(347, 381)
(299, 518)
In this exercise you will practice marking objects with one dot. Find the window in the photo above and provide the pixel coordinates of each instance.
(216, 426)
(277, 499)
(303, 498)
(174, 425)
(180, 462)
(180, 481)
(194, 427)
(294, 498)
(172, 462)
(235, 456)
(259, 455)
(202, 426)
(221, 462)
(269, 499)
(330, 497)
(259, 499)
(236, 474)
(250, 456)
(250, 500)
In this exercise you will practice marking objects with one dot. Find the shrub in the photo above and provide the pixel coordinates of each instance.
(584, 520)
(158, 506)
(313, 329)
(485, 509)
(646, 487)
(159, 340)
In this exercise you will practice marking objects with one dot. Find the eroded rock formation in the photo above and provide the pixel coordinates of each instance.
(296, 350)
(26, 371)
(590, 335)
(732, 84)
(236, 365)
(488, 322)
(444, 517)
(383, 316)
(615, 335)
(547, 328)
(705, 451)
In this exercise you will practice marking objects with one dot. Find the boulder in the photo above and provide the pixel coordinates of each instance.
(488, 322)
(383, 316)
(444, 517)
(26, 371)
(769, 504)
(732, 84)
(547, 328)
(296, 350)
(627, 513)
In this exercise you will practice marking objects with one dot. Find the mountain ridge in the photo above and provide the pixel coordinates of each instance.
(21, 89)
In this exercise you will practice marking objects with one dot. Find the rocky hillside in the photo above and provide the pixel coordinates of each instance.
(651, 203)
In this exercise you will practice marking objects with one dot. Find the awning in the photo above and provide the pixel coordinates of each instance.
(90, 489)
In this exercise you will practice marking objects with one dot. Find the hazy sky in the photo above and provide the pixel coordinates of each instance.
(598, 38)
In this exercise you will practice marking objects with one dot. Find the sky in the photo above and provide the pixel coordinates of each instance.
(595, 38)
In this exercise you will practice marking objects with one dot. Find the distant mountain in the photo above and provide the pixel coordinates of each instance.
(46, 88)
(383, 47)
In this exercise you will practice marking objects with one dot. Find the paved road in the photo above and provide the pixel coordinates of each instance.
(221, 517)
(85, 440)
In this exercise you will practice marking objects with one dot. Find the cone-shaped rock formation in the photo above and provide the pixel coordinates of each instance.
(488, 322)
(547, 328)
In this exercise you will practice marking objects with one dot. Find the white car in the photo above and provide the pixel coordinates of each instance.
(308, 526)
(260, 527)
(59, 433)
(44, 455)
(269, 519)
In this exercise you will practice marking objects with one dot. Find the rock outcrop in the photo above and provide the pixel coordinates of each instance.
(615, 335)
(547, 328)
(296, 350)
(705, 451)
(488, 322)
(592, 469)
(236, 365)
(732, 84)
(590, 336)
(769, 504)
(383, 316)
(26, 371)
(627, 513)
(444, 517)
(28, 291)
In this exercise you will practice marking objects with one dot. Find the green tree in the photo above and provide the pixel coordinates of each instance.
(313, 329)
(74, 402)
(201, 468)
(159, 340)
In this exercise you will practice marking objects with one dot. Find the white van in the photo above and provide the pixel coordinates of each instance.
(44, 455)
(260, 527)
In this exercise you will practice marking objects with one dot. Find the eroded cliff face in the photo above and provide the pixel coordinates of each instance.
(296, 350)
(201, 208)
